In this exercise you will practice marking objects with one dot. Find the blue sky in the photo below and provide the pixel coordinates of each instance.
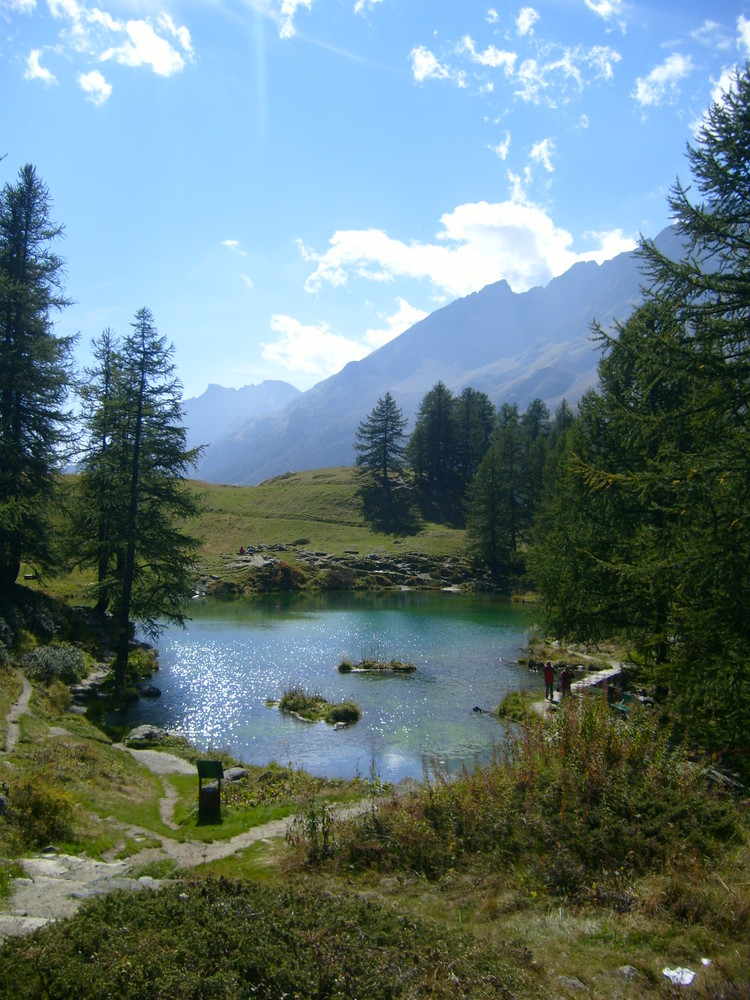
(287, 184)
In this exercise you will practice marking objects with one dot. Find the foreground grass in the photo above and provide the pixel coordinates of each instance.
(586, 858)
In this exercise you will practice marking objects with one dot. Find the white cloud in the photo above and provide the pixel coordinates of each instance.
(312, 349)
(405, 316)
(501, 149)
(661, 84)
(583, 122)
(492, 16)
(315, 350)
(65, 8)
(550, 80)
(146, 48)
(542, 152)
(723, 85)
(743, 34)
(180, 32)
(234, 246)
(611, 243)
(362, 5)
(34, 69)
(95, 34)
(526, 20)
(605, 8)
(287, 10)
(425, 66)
(490, 56)
(95, 87)
(247, 281)
(21, 6)
(478, 243)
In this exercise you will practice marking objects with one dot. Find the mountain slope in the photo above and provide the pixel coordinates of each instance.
(218, 411)
(514, 347)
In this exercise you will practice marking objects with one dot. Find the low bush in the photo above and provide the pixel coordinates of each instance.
(347, 712)
(315, 708)
(601, 793)
(142, 663)
(39, 811)
(61, 662)
(232, 941)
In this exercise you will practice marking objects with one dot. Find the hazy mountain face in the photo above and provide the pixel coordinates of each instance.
(219, 411)
(514, 347)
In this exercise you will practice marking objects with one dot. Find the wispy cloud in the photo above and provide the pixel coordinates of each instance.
(362, 5)
(488, 57)
(661, 84)
(425, 66)
(234, 246)
(501, 148)
(605, 9)
(743, 34)
(34, 69)
(542, 152)
(286, 14)
(526, 20)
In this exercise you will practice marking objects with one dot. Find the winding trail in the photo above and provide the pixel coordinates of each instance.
(54, 885)
(16, 710)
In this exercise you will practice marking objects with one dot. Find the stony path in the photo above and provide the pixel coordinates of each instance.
(16, 710)
(594, 679)
(55, 884)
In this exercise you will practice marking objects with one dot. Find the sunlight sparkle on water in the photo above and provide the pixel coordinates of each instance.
(216, 676)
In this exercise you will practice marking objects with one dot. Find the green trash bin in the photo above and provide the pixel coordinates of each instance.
(209, 796)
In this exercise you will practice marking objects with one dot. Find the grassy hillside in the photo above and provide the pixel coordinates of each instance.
(317, 510)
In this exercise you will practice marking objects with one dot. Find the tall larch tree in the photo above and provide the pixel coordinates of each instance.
(148, 546)
(35, 372)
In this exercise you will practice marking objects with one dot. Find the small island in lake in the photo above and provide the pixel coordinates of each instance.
(315, 708)
(372, 666)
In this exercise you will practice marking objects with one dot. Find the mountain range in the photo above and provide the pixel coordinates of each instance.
(515, 347)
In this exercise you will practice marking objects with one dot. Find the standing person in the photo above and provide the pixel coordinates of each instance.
(549, 681)
(566, 676)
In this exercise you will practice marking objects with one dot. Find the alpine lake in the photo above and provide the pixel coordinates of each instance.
(218, 674)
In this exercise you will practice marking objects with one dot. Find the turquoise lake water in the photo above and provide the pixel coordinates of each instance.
(216, 675)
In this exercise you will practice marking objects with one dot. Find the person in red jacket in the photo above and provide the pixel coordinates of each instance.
(549, 681)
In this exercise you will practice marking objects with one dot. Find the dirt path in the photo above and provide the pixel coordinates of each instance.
(55, 884)
(16, 710)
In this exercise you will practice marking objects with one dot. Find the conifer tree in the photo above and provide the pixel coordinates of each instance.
(35, 371)
(133, 492)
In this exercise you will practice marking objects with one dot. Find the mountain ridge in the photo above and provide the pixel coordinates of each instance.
(513, 346)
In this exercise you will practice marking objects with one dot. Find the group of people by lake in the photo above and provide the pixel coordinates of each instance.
(563, 682)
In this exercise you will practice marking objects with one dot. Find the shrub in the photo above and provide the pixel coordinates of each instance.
(513, 707)
(142, 662)
(312, 830)
(602, 792)
(233, 941)
(346, 711)
(315, 708)
(47, 663)
(41, 812)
